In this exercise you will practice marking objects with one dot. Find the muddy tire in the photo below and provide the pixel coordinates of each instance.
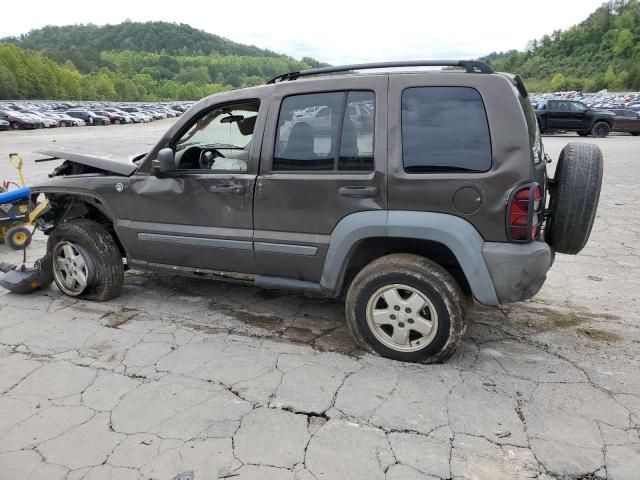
(574, 192)
(600, 129)
(406, 307)
(93, 253)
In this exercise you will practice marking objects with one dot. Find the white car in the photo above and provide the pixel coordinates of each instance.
(41, 119)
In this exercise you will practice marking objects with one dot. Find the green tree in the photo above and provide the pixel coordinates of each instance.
(558, 82)
(8, 84)
(105, 90)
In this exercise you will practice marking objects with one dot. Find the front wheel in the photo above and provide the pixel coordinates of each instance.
(600, 129)
(406, 307)
(86, 260)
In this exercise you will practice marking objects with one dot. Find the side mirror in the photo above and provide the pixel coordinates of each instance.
(166, 162)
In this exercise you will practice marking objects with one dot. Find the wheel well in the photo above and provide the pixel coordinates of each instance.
(603, 120)
(66, 207)
(370, 249)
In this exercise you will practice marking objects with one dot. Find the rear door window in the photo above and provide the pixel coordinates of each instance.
(330, 131)
(444, 129)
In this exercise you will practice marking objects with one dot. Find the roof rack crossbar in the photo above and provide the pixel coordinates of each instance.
(471, 66)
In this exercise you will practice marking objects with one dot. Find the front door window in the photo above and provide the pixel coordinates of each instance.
(219, 140)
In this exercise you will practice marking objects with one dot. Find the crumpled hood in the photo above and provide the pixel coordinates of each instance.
(110, 162)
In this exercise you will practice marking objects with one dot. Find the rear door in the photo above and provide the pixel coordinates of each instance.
(559, 115)
(323, 158)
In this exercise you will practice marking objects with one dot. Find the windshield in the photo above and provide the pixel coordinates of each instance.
(17, 114)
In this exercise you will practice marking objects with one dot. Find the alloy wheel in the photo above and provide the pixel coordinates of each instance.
(402, 317)
(72, 268)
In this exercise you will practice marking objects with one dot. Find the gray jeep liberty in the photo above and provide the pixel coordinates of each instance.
(407, 193)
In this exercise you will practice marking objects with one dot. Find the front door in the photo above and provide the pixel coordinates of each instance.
(580, 118)
(201, 214)
(323, 158)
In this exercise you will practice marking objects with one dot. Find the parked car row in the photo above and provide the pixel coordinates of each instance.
(32, 115)
(594, 114)
(602, 100)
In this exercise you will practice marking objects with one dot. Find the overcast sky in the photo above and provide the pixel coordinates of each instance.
(333, 31)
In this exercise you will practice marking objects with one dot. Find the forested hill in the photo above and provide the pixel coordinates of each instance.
(82, 44)
(601, 52)
(132, 61)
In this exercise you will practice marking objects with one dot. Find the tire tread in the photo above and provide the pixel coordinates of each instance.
(424, 270)
(575, 200)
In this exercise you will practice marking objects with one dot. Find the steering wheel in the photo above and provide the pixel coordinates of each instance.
(208, 157)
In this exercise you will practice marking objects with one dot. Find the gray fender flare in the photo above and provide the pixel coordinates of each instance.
(455, 233)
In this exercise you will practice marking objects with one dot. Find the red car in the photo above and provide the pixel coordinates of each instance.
(114, 118)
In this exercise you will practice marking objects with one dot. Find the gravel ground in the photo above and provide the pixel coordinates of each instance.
(181, 374)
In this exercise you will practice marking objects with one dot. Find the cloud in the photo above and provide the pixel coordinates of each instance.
(334, 31)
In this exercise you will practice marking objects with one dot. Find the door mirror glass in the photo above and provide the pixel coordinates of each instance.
(164, 163)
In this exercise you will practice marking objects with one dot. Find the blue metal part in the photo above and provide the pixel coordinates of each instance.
(16, 195)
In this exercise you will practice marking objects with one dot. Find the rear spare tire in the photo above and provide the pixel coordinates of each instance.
(574, 192)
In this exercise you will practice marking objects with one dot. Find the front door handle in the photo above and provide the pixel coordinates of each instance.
(227, 188)
(358, 192)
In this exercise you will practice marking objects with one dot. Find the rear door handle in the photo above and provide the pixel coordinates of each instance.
(227, 188)
(358, 192)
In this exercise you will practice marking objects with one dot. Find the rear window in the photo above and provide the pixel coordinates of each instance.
(537, 152)
(444, 129)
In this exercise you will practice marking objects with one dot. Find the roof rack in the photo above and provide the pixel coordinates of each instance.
(471, 66)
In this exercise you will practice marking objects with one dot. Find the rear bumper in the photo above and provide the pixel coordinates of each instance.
(517, 270)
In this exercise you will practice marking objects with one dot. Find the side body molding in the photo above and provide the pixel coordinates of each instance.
(456, 233)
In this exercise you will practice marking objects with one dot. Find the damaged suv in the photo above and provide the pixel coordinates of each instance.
(406, 193)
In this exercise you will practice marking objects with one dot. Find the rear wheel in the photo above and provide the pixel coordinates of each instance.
(574, 197)
(406, 307)
(86, 261)
(600, 129)
(635, 134)
(15, 125)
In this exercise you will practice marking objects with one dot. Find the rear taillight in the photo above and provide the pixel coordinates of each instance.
(524, 212)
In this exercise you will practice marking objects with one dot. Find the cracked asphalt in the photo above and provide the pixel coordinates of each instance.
(225, 380)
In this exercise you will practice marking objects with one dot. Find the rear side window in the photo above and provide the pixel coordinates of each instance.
(330, 131)
(535, 142)
(444, 129)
